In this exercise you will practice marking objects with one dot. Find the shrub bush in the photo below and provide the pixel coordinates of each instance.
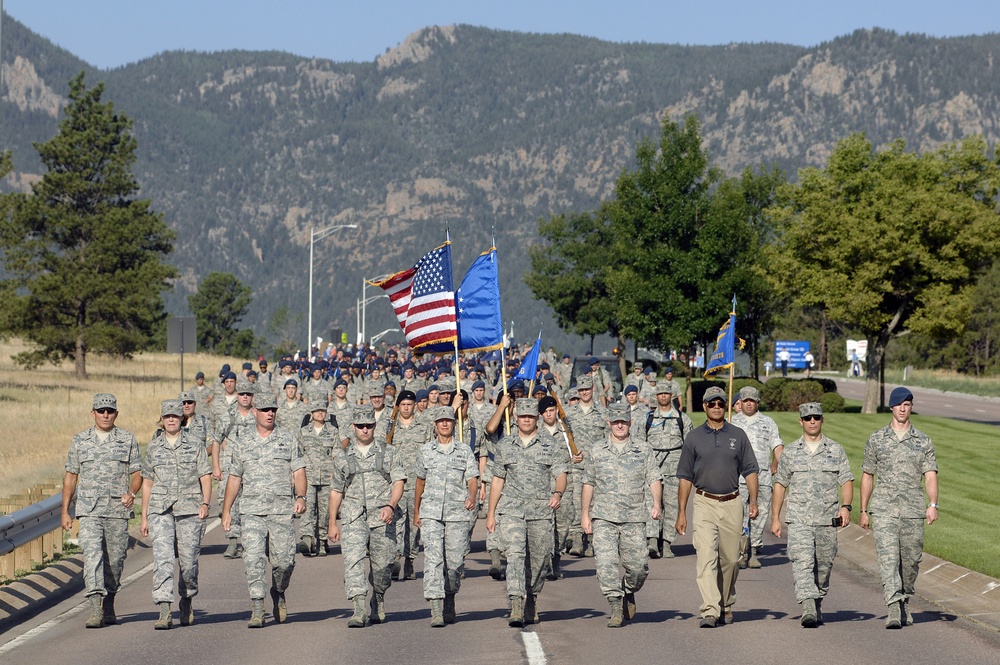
(800, 392)
(773, 394)
(832, 403)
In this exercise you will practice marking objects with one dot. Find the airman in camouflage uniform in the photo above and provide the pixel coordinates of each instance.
(229, 429)
(266, 465)
(316, 389)
(366, 488)
(636, 377)
(900, 456)
(176, 490)
(202, 393)
(319, 443)
(589, 421)
(446, 486)
(616, 478)
(291, 410)
(555, 428)
(767, 446)
(102, 469)
(223, 400)
(408, 436)
(522, 505)
(664, 429)
(194, 423)
(814, 470)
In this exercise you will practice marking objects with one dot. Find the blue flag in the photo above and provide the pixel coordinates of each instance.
(480, 326)
(725, 347)
(526, 372)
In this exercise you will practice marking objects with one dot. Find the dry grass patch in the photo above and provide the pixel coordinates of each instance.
(41, 409)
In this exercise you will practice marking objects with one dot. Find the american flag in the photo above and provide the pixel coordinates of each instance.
(424, 299)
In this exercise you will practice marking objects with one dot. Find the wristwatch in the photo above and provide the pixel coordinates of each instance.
(848, 506)
(300, 497)
(934, 506)
(557, 492)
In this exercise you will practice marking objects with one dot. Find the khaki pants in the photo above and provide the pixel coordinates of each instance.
(717, 529)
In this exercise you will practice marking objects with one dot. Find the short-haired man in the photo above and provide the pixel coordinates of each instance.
(589, 421)
(103, 470)
(664, 429)
(319, 443)
(408, 436)
(900, 455)
(713, 458)
(229, 429)
(816, 473)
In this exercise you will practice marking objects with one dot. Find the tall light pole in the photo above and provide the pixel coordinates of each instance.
(315, 235)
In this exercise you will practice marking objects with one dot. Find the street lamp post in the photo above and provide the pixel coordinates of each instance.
(315, 235)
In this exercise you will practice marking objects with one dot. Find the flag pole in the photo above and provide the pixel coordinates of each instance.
(730, 400)
(531, 382)
(458, 388)
(503, 378)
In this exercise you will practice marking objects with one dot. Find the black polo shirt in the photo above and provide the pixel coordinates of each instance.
(714, 460)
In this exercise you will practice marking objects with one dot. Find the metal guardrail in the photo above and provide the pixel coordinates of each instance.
(23, 526)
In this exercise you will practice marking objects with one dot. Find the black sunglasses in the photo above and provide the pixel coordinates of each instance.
(717, 404)
(365, 426)
(105, 411)
(811, 418)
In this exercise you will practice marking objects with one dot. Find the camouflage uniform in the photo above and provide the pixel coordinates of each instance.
(897, 506)
(104, 471)
(813, 481)
(174, 501)
(266, 465)
(229, 433)
(290, 414)
(590, 428)
(665, 436)
(523, 515)
(366, 481)
(407, 440)
(201, 395)
(319, 450)
(763, 434)
(618, 511)
(317, 391)
(568, 504)
(198, 429)
(446, 470)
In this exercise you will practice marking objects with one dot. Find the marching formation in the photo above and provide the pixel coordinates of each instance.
(387, 458)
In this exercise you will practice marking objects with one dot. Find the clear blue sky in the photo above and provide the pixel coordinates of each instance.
(109, 33)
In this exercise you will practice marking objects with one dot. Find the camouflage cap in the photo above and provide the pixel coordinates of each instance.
(810, 409)
(446, 384)
(619, 413)
(105, 401)
(364, 415)
(444, 413)
(264, 401)
(664, 387)
(527, 406)
(186, 396)
(243, 386)
(171, 407)
(749, 392)
(714, 392)
(376, 390)
(585, 383)
(637, 365)
(318, 406)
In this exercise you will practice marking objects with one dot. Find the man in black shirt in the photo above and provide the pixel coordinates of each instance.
(713, 458)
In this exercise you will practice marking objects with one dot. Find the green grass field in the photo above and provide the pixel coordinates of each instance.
(968, 455)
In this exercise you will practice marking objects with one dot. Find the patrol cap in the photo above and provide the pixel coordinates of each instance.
(376, 390)
(527, 406)
(171, 407)
(364, 415)
(422, 395)
(444, 413)
(199, 375)
(405, 395)
(105, 401)
(265, 401)
(714, 392)
(630, 389)
(810, 409)
(585, 383)
(243, 386)
(545, 403)
(186, 396)
(476, 385)
(637, 364)
(447, 385)
(899, 395)
(619, 413)
(318, 406)
(291, 382)
(664, 387)
(749, 392)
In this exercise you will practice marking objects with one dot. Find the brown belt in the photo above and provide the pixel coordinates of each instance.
(717, 497)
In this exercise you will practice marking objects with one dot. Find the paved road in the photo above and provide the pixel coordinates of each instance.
(573, 617)
(930, 402)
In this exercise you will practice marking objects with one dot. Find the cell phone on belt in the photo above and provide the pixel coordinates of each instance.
(835, 521)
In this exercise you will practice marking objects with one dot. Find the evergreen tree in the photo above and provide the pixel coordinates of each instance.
(221, 302)
(85, 256)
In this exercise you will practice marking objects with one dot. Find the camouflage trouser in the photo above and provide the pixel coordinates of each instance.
(623, 542)
(180, 536)
(811, 549)
(446, 545)
(667, 461)
(493, 541)
(575, 482)
(104, 541)
(234, 511)
(899, 546)
(763, 512)
(407, 533)
(528, 546)
(564, 516)
(316, 519)
(268, 538)
(358, 542)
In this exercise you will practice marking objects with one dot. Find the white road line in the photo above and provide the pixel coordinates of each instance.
(73, 611)
(990, 587)
(961, 576)
(533, 649)
(931, 570)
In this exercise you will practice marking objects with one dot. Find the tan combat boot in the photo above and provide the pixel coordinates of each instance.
(257, 615)
(531, 610)
(360, 618)
(495, 566)
(516, 612)
(616, 613)
(110, 619)
(186, 612)
(378, 608)
(96, 618)
(437, 613)
(809, 618)
(165, 622)
(894, 619)
(280, 608)
(449, 608)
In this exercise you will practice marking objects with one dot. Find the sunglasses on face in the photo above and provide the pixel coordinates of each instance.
(811, 418)
(716, 404)
(105, 411)
(366, 426)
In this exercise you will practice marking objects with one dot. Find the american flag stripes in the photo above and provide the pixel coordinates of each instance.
(423, 298)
